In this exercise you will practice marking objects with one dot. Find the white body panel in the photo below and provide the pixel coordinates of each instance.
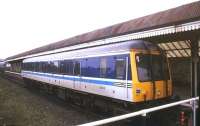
(72, 82)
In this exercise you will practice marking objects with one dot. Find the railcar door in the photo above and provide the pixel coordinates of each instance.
(126, 77)
(122, 65)
(77, 75)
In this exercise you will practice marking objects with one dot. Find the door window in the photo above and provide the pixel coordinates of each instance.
(120, 68)
(77, 68)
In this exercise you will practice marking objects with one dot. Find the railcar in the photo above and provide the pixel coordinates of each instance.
(132, 71)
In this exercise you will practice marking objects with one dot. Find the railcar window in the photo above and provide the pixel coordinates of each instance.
(92, 67)
(110, 67)
(49, 69)
(143, 67)
(62, 67)
(146, 62)
(157, 67)
(66, 67)
(77, 68)
(40, 66)
(32, 66)
(120, 68)
(44, 67)
(83, 67)
(37, 66)
(55, 66)
(103, 67)
(129, 69)
(69, 67)
(27, 66)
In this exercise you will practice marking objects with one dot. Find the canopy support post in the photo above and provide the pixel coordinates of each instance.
(194, 75)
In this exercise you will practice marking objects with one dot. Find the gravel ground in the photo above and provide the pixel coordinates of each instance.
(22, 107)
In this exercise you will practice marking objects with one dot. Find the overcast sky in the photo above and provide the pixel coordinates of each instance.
(27, 24)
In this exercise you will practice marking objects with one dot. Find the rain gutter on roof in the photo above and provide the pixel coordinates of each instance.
(191, 26)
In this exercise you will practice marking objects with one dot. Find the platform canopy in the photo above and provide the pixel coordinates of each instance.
(170, 29)
(177, 48)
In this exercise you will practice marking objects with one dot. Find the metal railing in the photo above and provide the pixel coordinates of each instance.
(141, 112)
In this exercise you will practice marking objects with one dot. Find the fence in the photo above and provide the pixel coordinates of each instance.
(146, 111)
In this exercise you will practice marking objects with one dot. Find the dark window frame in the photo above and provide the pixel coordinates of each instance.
(77, 68)
(150, 65)
(123, 75)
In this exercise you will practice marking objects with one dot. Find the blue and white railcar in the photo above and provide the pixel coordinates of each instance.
(108, 70)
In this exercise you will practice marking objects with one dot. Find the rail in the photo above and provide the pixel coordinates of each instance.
(141, 112)
(13, 72)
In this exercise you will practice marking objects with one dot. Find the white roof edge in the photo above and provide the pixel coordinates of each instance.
(191, 26)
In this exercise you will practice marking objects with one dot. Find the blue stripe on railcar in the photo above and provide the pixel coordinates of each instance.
(101, 82)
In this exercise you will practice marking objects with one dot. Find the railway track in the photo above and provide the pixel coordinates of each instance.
(62, 103)
(47, 109)
(55, 99)
(140, 121)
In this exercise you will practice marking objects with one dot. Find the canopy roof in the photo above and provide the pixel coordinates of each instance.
(177, 48)
(180, 19)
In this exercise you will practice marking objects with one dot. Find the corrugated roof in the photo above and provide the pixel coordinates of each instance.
(175, 16)
(178, 48)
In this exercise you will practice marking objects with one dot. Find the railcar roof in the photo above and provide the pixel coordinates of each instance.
(106, 50)
(182, 14)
